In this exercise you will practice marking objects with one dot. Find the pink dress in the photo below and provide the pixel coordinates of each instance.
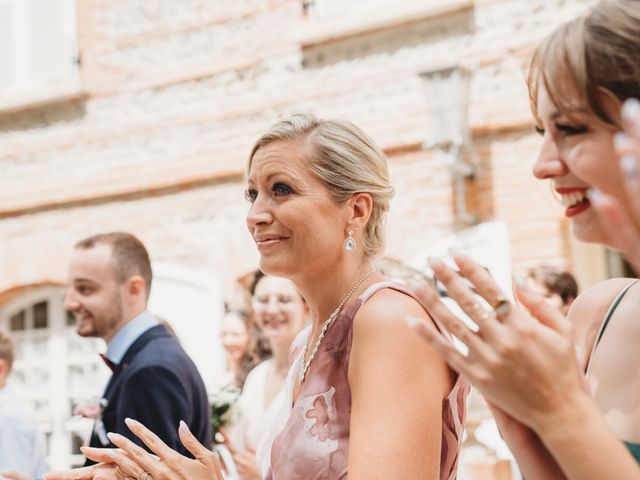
(311, 440)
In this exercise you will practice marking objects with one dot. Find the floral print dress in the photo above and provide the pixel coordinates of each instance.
(311, 439)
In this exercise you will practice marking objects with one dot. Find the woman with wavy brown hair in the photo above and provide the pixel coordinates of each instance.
(562, 416)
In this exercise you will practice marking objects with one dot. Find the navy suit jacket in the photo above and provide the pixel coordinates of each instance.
(157, 384)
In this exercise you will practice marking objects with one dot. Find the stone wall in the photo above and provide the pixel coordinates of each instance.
(177, 91)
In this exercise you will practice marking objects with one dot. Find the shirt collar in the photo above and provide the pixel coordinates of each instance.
(128, 334)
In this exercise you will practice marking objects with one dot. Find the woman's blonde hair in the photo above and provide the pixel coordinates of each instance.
(599, 51)
(346, 160)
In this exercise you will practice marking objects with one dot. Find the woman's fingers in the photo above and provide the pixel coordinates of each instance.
(459, 291)
(138, 454)
(480, 278)
(543, 311)
(151, 440)
(84, 473)
(200, 452)
(97, 454)
(631, 117)
(117, 457)
(440, 313)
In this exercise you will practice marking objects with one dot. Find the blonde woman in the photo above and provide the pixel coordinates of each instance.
(364, 396)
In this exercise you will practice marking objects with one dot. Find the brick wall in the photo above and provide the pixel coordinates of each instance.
(177, 91)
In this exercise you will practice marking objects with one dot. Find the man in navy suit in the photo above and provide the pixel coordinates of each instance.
(154, 381)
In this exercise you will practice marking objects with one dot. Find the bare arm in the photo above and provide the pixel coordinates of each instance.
(398, 384)
(532, 456)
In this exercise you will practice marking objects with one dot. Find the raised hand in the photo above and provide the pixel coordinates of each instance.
(514, 356)
(135, 462)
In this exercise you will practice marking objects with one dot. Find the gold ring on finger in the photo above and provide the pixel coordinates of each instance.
(501, 306)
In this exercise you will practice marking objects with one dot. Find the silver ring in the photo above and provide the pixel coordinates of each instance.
(144, 476)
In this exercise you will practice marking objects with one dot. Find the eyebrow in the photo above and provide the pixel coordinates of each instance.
(557, 114)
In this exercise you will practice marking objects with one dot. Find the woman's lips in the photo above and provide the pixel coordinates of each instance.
(269, 243)
(577, 209)
(574, 199)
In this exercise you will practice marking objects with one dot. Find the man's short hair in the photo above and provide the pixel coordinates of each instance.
(129, 255)
(7, 351)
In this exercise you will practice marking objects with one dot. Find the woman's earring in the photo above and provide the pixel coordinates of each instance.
(349, 243)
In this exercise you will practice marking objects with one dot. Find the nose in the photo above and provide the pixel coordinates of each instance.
(272, 305)
(549, 163)
(259, 213)
(70, 303)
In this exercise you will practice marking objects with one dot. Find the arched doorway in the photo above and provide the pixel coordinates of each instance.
(54, 370)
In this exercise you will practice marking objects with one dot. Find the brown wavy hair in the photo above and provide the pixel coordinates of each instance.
(594, 54)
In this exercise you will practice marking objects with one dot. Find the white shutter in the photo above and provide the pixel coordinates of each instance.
(51, 55)
(7, 45)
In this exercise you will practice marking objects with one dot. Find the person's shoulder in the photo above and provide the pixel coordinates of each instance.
(590, 308)
(593, 303)
(387, 307)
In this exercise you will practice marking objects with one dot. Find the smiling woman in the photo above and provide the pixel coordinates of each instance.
(318, 191)
(524, 362)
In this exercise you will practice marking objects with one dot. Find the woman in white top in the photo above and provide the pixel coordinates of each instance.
(280, 312)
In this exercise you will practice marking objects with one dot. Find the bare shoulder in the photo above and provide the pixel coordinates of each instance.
(379, 326)
(590, 308)
(387, 308)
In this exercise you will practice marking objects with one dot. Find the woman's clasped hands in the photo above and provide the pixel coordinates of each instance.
(522, 361)
(131, 461)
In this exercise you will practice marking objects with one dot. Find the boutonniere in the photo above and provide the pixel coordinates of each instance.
(100, 429)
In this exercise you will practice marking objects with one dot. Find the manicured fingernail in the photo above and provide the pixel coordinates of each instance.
(183, 425)
(629, 166)
(594, 195)
(620, 141)
(113, 436)
(631, 110)
(435, 263)
(130, 422)
(111, 453)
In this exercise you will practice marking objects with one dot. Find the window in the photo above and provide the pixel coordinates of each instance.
(54, 369)
(37, 49)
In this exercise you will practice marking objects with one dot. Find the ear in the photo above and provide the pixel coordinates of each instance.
(361, 205)
(136, 286)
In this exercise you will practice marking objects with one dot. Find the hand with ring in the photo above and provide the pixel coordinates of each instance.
(132, 462)
(522, 361)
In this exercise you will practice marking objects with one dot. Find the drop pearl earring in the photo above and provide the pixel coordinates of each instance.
(349, 243)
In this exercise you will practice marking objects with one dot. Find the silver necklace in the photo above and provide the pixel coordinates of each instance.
(325, 327)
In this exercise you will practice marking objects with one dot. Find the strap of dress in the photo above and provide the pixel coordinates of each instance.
(607, 318)
(400, 287)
